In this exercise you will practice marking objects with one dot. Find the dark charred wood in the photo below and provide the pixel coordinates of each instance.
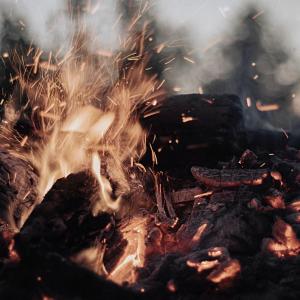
(190, 125)
(18, 191)
(63, 223)
(225, 219)
(54, 277)
(186, 195)
(229, 178)
(199, 129)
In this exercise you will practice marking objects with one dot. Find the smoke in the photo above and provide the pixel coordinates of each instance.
(203, 28)
(45, 22)
(49, 24)
(210, 25)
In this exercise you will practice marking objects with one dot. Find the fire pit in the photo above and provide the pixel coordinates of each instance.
(110, 188)
(223, 229)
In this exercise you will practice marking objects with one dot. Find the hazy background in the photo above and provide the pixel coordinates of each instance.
(210, 46)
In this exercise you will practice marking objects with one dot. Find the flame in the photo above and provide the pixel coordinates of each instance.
(84, 111)
(134, 255)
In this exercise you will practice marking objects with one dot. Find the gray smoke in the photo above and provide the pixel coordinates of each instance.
(49, 24)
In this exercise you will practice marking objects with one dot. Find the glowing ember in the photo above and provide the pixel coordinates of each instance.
(266, 107)
(197, 236)
(186, 118)
(226, 272)
(134, 255)
(285, 242)
(203, 265)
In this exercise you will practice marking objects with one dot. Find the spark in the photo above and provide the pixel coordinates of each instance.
(266, 107)
(186, 119)
(285, 133)
(189, 60)
(24, 140)
(160, 48)
(248, 102)
(170, 60)
(203, 194)
(26, 195)
(258, 14)
(147, 115)
(177, 89)
(197, 236)
(161, 84)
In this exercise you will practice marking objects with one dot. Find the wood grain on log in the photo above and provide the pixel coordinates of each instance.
(18, 191)
(229, 178)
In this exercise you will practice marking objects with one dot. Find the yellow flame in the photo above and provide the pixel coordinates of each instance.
(134, 255)
(85, 114)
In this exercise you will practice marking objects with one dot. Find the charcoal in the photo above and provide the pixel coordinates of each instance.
(229, 178)
(18, 191)
(63, 223)
(188, 125)
(54, 277)
(229, 223)
(185, 195)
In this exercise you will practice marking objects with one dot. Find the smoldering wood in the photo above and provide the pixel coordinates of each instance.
(200, 129)
(18, 190)
(63, 223)
(186, 195)
(184, 126)
(229, 222)
(58, 229)
(229, 178)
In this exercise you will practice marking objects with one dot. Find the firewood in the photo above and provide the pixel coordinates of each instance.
(229, 178)
(63, 223)
(229, 222)
(185, 195)
(18, 191)
(183, 126)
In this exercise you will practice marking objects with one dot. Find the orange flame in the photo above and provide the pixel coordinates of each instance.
(134, 254)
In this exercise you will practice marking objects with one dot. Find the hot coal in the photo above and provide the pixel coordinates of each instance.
(18, 191)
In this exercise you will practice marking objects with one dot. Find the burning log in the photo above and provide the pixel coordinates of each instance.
(229, 178)
(183, 125)
(185, 129)
(18, 191)
(229, 223)
(63, 223)
(61, 237)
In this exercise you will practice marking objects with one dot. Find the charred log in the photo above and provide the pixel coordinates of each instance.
(18, 191)
(185, 126)
(229, 178)
(63, 223)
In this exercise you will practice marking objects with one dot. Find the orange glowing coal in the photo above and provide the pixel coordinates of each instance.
(134, 255)
(285, 242)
